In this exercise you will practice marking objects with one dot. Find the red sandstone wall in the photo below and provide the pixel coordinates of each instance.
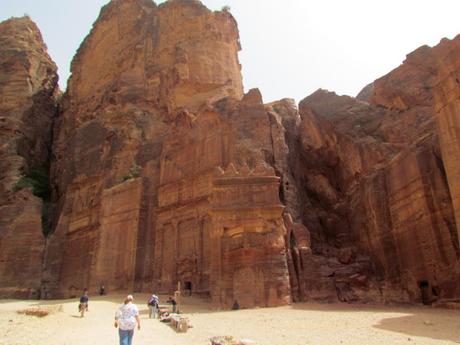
(379, 167)
(28, 90)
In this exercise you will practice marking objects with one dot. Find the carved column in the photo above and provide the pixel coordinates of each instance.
(216, 263)
(175, 278)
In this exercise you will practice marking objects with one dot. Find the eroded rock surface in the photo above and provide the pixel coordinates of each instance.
(380, 176)
(145, 124)
(446, 96)
(28, 89)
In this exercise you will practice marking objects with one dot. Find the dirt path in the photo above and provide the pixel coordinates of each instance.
(299, 324)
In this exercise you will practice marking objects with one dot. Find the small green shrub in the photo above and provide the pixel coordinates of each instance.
(225, 8)
(24, 182)
(38, 180)
(133, 172)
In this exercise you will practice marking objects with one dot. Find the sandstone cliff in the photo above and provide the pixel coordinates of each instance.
(381, 174)
(28, 89)
(152, 111)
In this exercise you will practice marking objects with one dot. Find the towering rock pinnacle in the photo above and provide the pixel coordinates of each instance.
(178, 54)
(28, 88)
(148, 59)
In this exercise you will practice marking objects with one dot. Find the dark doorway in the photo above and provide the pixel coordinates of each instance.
(425, 291)
(188, 288)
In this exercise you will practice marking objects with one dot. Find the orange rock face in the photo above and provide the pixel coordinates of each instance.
(28, 85)
(446, 96)
(381, 176)
(178, 54)
(217, 226)
(164, 110)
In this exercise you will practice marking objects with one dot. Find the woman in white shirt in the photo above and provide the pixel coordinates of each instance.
(125, 319)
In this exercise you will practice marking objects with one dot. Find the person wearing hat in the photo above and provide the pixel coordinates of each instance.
(126, 318)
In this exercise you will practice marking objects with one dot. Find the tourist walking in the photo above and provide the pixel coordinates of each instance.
(83, 305)
(126, 318)
(152, 303)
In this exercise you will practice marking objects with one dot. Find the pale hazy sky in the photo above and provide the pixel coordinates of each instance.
(290, 47)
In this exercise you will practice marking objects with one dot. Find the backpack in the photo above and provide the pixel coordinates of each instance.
(150, 301)
(153, 300)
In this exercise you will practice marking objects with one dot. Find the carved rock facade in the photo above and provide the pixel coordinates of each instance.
(144, 126)
(381, 176)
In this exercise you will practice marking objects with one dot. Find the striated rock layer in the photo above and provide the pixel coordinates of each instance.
(380, 175)
(447, 107)
(165, 175)
(28, 86)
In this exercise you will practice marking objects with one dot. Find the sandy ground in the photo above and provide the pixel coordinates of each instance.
(299, 324)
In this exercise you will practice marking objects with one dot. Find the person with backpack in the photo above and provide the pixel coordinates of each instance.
(83, 305)
(152, 303)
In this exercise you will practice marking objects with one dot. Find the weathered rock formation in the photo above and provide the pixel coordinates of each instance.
(381, 174)
(446, 95)
(28, 86)
(219, 228)
(145, 124)
(164, 172)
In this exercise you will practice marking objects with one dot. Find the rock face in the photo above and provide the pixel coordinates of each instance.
(164, 174)
(380, 176)
(158, 163)
(219, 226)
(446, 95)
(28, 86)
(178, 54)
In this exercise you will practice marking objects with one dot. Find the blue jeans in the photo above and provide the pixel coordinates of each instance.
(126, 337)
